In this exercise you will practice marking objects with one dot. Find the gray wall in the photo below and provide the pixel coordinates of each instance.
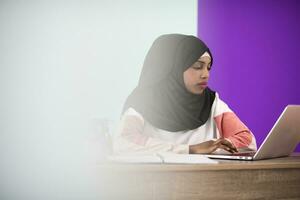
(63, 63)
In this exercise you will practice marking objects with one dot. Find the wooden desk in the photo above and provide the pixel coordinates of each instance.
(266, 179)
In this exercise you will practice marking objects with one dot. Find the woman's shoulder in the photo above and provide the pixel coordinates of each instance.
(219, 106)
(131, 112)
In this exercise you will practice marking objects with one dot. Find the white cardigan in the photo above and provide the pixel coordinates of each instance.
(136, 135)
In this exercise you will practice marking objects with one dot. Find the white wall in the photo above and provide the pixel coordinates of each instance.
(63, 63)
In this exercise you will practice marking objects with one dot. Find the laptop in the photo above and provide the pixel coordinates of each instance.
(281, 140)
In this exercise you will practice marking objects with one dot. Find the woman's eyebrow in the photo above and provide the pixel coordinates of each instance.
(203, 61)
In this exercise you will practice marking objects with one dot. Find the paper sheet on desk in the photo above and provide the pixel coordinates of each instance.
(163, 158)
(185, 158)
(135, 158)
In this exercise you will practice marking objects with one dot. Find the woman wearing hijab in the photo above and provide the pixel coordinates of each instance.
(173, 110)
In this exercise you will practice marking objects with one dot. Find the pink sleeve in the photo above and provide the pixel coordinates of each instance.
(232, 128)
(132, 130)
(130, 138)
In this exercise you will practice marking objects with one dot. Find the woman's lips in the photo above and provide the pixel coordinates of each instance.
(202, 85)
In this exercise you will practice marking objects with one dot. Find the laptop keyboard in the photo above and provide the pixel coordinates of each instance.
(250, 153)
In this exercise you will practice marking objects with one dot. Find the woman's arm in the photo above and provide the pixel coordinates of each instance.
(233, 129)
(230, 127)
(130, 139)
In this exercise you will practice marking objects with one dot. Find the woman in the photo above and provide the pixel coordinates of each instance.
(173, 110)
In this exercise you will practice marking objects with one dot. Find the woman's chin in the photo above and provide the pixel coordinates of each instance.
(198, 92)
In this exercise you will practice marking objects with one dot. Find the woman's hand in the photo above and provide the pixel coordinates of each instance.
(212, 145)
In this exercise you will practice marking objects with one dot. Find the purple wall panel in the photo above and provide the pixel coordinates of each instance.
(256, 49)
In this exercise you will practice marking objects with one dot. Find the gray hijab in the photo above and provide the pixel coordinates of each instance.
(161, 97)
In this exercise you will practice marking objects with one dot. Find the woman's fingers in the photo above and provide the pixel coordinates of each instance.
(226, 148)
(220, 146)
(225, 144)
(229, 144)
(212, 145)
(216, 142)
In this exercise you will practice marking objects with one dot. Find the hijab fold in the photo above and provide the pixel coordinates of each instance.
(161, 96)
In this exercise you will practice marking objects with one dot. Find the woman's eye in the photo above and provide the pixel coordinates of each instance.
(198, 66)
(209, 67)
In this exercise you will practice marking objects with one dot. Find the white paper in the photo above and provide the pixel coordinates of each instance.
(163, 158)
(135, 158)
(185, 158)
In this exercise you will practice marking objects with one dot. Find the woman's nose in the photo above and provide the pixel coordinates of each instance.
(205, 73)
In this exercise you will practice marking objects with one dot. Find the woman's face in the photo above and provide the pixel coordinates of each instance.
(196, 76)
